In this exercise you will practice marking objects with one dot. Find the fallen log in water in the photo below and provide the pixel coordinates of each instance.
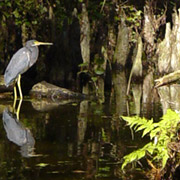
(47, 90)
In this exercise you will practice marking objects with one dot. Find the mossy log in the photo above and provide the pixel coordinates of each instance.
(167, 79)
(47, 90)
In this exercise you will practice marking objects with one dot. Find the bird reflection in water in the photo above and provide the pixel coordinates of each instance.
(18, 134)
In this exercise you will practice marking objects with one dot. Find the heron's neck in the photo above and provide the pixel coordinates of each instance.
(33, 49)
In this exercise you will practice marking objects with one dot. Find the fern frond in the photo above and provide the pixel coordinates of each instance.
(164, 131)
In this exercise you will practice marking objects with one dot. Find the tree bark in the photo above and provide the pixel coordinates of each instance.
(169, 49)
(122, 45)
(137, 63)
(148, 29)
(85, 35)
(164, 52)
(175, 58)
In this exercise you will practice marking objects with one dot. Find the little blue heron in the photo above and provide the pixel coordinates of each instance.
(21, 61)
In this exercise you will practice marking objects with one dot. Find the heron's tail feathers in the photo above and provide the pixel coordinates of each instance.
(7, 79)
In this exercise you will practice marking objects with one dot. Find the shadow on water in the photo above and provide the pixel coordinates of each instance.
(76, 140)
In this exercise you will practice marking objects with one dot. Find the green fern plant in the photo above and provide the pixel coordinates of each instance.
(162, 132)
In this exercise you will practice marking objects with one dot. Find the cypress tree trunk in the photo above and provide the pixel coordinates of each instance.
(137, 93)
(164, 52)
(148, 85)
(52, 19)
(137, 63)
(164, 93)
(122, 45)
(175, 38)
(169, 53)
(85, 34)
(120, 85)
(148, 29)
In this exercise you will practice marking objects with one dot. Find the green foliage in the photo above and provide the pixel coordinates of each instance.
(98, 62)
(133, 19)
(94, 79)
(94, 70)
(104, 136)
(83, 64)
(99, 71)
(133, 15)
(19, 11)
(162, 133)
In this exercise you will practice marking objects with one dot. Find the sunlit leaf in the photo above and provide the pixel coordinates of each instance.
(107, 168)
(117, 18)
(34, 22)
(147, 130)
(141, 127)
(138, 13)
(42, 165)
(99, 71)
(16, 13)
(83, 65)
(78, 171)
(154, 132)
(74, 104)
(141, 154)
(165, 158)
(94, 79)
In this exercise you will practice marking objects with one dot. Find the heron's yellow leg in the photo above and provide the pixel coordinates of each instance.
(18, 109)
(19, 86)
(15, 98)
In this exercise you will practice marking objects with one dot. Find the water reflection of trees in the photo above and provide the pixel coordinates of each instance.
(102, 136)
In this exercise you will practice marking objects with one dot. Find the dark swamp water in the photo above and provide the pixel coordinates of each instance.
(70, 139)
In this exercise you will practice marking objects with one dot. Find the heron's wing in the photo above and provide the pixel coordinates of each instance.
(18, 64)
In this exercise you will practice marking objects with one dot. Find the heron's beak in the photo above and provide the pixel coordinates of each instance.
(37, 43)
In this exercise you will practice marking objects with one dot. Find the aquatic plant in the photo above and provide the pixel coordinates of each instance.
(163, 133)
